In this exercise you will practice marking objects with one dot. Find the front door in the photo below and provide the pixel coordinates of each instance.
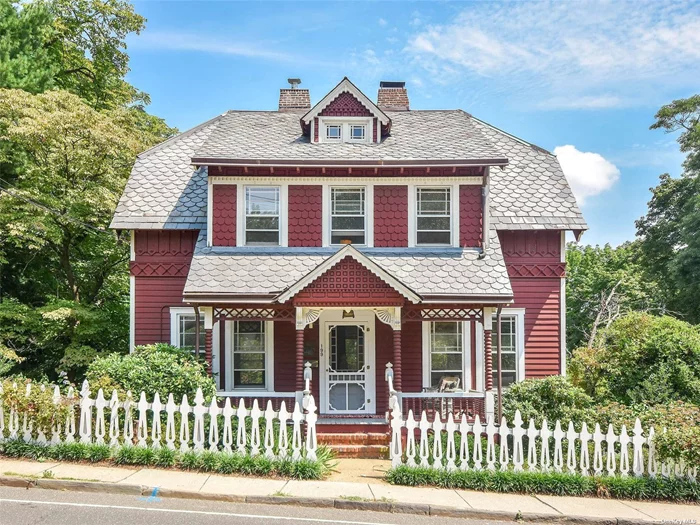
(347, 358)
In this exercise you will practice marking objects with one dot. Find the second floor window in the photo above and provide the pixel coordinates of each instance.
(433, 216)
(348, 216)
(262, 215)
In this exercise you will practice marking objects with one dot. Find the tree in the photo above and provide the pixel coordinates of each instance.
(65, 194)
(604, 283)
(670, 246)
(25, 61)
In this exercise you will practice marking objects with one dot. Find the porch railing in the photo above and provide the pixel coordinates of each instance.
(439, 404)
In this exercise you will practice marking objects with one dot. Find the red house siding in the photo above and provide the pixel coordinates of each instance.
(412, 356)
(305, 216)
(348, 283)
(285, 356)
(470, 216)
(390, 216)
(384, 343)
(534, 264)
(224, 214)
(345, 105)
(162, 260)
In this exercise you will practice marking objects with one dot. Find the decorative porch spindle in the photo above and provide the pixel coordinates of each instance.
(488, 360)
(397, 360)
(208, 355)
(300, 360)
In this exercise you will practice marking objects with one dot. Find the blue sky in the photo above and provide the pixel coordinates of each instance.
(582, 79)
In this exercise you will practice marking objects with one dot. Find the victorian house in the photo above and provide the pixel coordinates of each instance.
(356, 235)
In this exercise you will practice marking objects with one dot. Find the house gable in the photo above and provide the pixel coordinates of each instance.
(348, 283)
(353, 280)
(346, 105)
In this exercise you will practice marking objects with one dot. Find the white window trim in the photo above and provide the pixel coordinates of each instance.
(284, 214)
(413, 210)
(175, 313)
(369, 213)
(345, 122)
(519, 314)
(269, 359)
(466, 353)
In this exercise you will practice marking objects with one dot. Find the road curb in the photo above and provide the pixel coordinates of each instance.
(338, 503)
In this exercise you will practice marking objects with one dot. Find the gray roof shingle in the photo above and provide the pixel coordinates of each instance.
(531, 192)
(164, 191)
(270, 271)
(415, 135)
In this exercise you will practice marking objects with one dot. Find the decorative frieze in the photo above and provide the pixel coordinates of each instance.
(541, 270)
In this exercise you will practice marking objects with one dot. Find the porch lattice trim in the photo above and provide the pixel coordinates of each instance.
(275, 314)
(442, 314)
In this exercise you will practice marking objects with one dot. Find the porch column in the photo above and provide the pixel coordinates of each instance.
(396, 325)
(208, 312)
(304, 317)
(488, 358)
(488, 364)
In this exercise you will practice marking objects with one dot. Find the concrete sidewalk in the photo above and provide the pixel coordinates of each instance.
(347, 492)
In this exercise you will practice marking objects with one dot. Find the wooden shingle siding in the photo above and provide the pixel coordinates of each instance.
(224, 214)
(390, 216)
(470, 216)
(412, 356)
(305, 215)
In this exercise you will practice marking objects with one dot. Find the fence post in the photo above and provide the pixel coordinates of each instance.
(283, 437)
(114, 419)
(100, 424)
(311, 417)
(214, 412)
(184, 424)
(142, 425)
(228, 429)
(637, 443)
(170, 409)
(198, 428)
(518, 433)
(156, 431)
(571, 448)
(464, 443)
(85, 414)
(558, 449)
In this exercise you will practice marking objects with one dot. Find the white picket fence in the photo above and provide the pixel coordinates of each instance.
(612, 454)
(139, 423)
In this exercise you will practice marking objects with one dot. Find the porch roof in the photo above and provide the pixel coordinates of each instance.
(249, 274)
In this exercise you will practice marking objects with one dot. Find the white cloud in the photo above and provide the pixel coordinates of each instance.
(382, 22)
(593, 53)
(588, 173)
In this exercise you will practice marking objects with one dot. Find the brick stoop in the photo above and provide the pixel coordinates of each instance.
(358, 445)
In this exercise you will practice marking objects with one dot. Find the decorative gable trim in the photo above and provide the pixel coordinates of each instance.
(345, 86)
(348, 251)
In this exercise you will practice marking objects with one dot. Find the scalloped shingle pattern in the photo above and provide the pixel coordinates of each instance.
(415, 135)
(272, 270)
(224, 214)
(305, 220)
(164, 191)
(470, 216)
(390, 216)
(532, 191)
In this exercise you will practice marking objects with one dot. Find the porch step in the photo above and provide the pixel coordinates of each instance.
(365, 445)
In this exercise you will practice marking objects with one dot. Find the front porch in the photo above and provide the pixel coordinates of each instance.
(437, 359)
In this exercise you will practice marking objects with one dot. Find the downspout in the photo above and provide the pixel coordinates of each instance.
(485, 221)
(498, 364)
(196, 330)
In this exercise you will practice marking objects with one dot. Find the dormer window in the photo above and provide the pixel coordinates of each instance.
(334, 132)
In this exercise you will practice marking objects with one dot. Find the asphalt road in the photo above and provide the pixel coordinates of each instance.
(47, 507)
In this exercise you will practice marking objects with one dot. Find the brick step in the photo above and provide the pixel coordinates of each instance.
(361, 451)
(357, 438)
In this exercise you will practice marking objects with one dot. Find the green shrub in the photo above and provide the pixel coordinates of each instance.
(553, 398)
(38, 406)
(642, 359)
(206, 461)
(559, 484)
(154, 368)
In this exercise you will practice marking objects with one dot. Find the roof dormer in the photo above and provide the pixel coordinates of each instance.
(345, 115)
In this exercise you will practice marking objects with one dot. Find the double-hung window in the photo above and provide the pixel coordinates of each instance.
(250, 362)
(183, 329)
(510, 352)
(334, 132)
(262, 215)
(446, 355)
(348, 216)
(433, 216)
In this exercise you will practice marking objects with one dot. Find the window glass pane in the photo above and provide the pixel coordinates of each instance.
(187, 333)
(263, 223)
(509, 356)
(357, 132)
(508, 378)
(433, 238)
(433, 201)
(348, 215)
(261, 237)
(434, 223)
(249, 354)
(262, 201)
(446, 355)
(333, 132)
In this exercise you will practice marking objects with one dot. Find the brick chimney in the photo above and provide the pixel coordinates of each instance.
(293, 98)
(392, 96)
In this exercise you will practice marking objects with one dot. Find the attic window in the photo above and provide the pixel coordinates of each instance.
(334, 132)
(357, 132)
